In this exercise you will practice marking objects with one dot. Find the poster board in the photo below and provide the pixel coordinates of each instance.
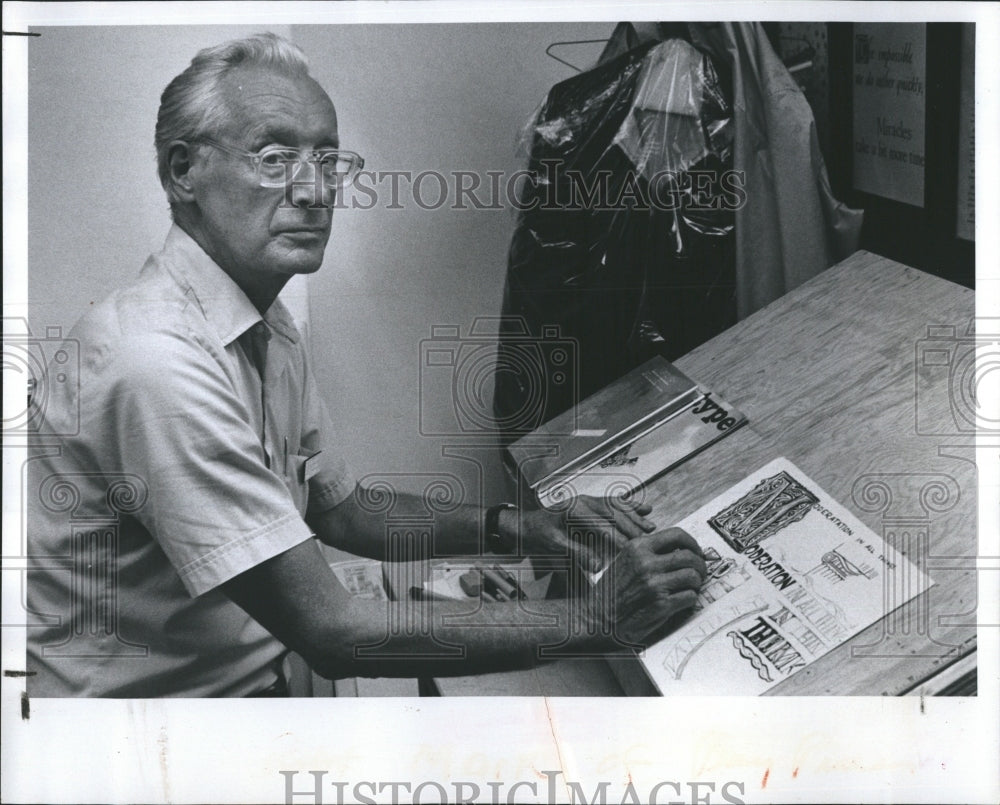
(889, 81)
(965, 215)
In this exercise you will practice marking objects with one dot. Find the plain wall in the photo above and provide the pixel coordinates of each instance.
(95, 206)
(417, 97)
(442, 97)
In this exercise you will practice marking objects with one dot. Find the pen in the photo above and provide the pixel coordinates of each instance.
(507, 576)
(495, 595)
(423, 594)
(491, 577)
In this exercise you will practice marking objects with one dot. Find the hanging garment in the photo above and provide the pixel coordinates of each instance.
(791, 227)
(619, 249)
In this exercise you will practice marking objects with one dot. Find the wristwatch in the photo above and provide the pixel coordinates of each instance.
(495, 541)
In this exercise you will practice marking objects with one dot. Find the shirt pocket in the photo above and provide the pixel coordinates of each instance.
(299, 469)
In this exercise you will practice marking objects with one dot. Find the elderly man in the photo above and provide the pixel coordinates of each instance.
(175, 501)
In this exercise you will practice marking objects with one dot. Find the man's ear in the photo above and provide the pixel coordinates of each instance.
(180, 158)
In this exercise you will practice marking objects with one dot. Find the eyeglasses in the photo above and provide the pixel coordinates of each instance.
(277, 166)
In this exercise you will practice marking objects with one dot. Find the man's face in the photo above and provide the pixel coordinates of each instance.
(261, 236)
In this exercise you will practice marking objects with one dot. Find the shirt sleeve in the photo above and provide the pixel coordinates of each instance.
(333, 481)
(177, 422)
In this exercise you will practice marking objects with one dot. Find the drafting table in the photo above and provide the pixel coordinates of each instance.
(861, 377)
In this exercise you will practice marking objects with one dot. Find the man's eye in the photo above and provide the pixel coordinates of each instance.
(275, 159)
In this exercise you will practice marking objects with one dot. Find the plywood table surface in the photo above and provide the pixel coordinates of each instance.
(832, 377)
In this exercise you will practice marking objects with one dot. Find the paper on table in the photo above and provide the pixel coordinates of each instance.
(444, 581)
(361, 577)
(791, 575)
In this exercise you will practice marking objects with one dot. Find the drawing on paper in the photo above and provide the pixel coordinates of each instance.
(770, 506)
(836, 567)
(620, 458)
(705, 629)
(782, 586)
(767, 649)
(722, 577)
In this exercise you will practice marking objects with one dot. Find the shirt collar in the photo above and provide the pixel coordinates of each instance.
(222, 301)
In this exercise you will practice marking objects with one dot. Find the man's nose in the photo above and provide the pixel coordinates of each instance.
(306, 187)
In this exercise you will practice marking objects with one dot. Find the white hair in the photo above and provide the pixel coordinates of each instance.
(191, 106)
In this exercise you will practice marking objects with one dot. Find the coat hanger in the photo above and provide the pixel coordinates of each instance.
(802, 58)
(628, 35)
(550, 54)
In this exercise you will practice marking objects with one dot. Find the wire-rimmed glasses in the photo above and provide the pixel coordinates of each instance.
(277, 166)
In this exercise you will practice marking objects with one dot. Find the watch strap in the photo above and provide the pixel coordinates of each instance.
(495, 540)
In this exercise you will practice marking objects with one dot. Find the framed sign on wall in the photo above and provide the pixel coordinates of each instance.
(901, 140)
(889, 80)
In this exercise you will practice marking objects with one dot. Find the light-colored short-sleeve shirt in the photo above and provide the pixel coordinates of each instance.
(187, 449)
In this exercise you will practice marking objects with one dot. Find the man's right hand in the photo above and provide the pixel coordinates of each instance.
(651, 579)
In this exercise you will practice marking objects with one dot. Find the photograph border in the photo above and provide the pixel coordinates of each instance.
(718, 749)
